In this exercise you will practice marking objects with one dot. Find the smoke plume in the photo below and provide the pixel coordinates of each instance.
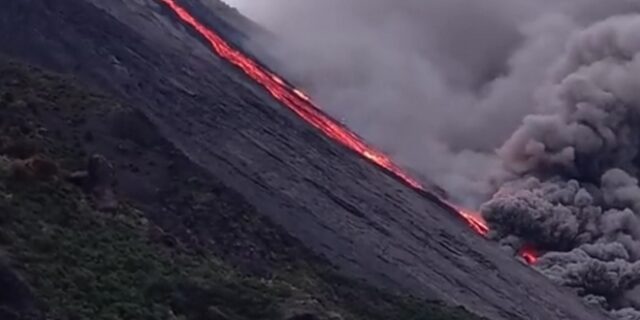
(529, 109)
(575, 194)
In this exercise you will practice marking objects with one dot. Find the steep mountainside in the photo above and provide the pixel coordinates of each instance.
(143, 233)
(338, 205)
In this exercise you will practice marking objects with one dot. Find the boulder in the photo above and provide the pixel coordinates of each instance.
(99, 180)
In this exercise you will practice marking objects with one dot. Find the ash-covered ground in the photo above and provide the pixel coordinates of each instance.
(365, 222)
(529, 107)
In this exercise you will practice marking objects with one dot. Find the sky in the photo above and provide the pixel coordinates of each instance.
(251, 8)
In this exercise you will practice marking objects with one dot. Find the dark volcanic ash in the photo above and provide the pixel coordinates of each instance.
(576, 196)
(530, 106)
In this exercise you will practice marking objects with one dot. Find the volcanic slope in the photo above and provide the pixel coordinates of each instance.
(75, 243)
(339, 205)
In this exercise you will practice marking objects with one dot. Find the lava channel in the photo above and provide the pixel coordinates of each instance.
(300, 103)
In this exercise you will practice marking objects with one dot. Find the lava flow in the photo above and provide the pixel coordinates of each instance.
(301, 104)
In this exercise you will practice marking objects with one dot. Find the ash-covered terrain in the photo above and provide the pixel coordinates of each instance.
(337, 205)
(527, 106)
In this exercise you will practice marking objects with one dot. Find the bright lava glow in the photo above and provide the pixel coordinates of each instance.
(474, 220)
(529, 255)
(298, 102)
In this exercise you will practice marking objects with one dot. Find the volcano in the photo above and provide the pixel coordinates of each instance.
(366, 222)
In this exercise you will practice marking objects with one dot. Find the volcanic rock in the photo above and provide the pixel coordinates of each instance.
(98, 180)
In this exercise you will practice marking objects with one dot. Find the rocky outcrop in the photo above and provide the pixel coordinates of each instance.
(99, 180)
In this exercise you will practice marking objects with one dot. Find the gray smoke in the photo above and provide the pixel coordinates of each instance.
(575, 195)
(531, 107)
(422, 80)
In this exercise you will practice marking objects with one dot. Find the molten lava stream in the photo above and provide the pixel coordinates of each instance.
(301, 104)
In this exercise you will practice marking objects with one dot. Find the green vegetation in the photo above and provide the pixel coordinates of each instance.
(84, 263)
(91, 265)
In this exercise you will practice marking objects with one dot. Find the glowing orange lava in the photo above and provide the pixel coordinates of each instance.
(300, 103)
(473, 219)
(529, 255)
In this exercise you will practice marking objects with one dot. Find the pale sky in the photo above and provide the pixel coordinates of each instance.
(240, 4)
(250, 8)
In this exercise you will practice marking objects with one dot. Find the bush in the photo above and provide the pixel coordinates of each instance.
(21, 148)
(37, 167)
(41, 167)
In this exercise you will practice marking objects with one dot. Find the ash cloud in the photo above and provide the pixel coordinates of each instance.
(574, 192)
(422, 80)
(528, 109)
